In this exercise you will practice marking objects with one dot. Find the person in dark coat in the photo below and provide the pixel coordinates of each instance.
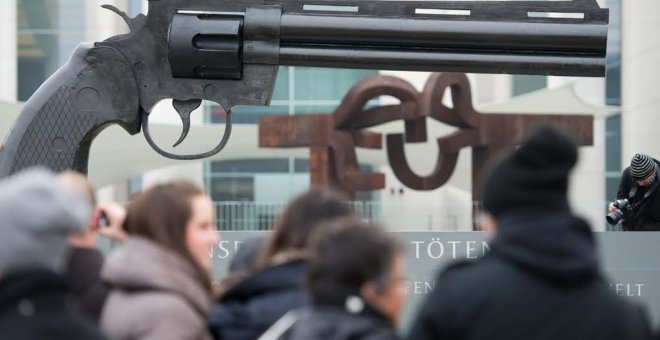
(541, 278)
(357, 286)
(252, 301)
(640, 186)
(251, 306)
(38, 215)
(245, 258)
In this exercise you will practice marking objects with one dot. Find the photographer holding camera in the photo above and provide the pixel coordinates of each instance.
(637, 203)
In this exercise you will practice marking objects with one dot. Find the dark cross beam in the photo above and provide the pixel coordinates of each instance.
(333, 137)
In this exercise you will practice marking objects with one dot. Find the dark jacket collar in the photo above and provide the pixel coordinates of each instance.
(337, 301)
(290, 275)
(17, 286)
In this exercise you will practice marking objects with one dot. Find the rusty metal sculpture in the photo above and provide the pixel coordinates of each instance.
(332, 138)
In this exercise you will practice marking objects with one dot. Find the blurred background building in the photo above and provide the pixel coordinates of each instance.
(250, 185)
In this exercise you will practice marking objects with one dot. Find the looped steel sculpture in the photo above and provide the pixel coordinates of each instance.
(332, 138)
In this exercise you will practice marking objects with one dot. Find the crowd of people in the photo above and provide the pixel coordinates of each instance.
(324, 272)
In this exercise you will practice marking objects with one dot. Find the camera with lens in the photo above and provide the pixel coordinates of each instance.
(623, 207)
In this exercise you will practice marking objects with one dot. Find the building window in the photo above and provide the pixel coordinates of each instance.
(224, 189)
(267, 165)
(522, 84)
(298, 90)
(134, 185)
(613, 97)
(46, 37)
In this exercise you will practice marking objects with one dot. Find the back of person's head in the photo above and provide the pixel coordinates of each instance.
(300, 217)
(37, 216)
(78, 182)
(351, 258)
(532, 176)
(161, 214)
(245, 258)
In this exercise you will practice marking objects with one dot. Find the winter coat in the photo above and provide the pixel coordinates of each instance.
(333, 322)
(249, 308)
(645, 216)
(539, 281)
(154, 295)
(34, 305)
(84, 274)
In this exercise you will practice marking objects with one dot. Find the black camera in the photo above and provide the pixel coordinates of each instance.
(623, 207)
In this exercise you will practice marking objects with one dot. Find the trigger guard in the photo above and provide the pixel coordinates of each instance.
(218, 148)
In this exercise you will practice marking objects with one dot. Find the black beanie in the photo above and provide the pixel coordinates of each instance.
(535, 175)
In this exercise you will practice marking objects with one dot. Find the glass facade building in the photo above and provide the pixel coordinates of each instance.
(613, 97)
(250, 191)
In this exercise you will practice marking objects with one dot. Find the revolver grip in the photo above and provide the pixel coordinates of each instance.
(55, 128)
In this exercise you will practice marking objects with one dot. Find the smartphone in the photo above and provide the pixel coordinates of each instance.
(103, 219)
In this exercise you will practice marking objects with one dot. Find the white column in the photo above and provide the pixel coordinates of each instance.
(102, 23)
(640, 76)
(8, 46)
(490, 88)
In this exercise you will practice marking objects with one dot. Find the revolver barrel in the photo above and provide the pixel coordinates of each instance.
(477, 36)
(570, 47)
(446, 45)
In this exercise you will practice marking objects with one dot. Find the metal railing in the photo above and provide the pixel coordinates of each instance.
(249, 215)
(246, 215)
(239, 215)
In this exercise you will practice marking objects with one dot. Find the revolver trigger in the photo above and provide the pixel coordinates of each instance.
(184, 108)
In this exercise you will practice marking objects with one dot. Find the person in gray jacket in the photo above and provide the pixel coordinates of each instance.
(160, 277)
(37, 216)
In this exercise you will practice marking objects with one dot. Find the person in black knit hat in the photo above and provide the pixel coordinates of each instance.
(533, 176)
(637, 203)
(541, 278)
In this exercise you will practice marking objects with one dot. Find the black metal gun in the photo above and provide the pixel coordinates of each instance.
(228, 52)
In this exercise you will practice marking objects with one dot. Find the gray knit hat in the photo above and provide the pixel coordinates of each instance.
(37, 215)
(641, 166)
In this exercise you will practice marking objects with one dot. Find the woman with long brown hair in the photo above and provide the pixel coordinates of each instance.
(160, 277)
(277, 283)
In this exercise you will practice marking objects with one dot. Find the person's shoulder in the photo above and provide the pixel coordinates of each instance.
(626, 171)
(382, 334)
(335, 323)
(282, 278)
(459, 266)
(467, 276)
(170, 313)
(625, 316)
(173, 318)
(467, 268)
(172, 306)
(159, 304)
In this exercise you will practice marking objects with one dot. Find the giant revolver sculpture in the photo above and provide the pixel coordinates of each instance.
(228, 52)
